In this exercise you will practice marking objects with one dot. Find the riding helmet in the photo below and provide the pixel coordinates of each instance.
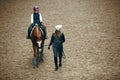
(36, 8)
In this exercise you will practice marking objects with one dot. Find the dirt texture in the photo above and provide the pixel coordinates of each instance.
(92, 32)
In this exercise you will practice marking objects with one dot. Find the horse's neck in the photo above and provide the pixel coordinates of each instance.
(37, 31)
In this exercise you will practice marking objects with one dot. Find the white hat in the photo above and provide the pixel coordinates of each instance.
(58, 27)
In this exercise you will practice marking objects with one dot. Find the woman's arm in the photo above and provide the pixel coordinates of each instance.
(63, 38)
(31, 18)
(41, 20)
(51, 40)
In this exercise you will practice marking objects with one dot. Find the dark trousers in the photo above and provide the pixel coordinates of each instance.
(57, 53)
(56, 61)
(29, 30)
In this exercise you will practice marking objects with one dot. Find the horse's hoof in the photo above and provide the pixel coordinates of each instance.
(41, 60)
(36, 66)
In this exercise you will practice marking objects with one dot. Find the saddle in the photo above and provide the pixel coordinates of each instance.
(33, 29)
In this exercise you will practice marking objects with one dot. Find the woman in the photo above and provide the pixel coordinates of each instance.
(57, 40)
(36, 18)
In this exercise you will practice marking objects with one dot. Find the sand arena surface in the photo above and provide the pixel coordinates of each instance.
(92, 47)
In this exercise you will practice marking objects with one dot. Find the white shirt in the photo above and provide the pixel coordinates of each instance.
(32, 18)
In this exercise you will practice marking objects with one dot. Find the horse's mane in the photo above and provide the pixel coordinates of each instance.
(37, 32)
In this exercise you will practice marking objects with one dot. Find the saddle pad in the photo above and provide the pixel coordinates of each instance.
(33, 29)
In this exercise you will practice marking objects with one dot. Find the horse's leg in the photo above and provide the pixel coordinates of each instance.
(42, 50)
(41, 53)
(35, 57)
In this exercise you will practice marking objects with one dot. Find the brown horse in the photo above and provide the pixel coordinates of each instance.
(38, 44)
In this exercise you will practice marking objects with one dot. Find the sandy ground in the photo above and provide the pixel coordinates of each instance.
(92, 47)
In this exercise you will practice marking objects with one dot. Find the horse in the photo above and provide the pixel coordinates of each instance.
(38, 44)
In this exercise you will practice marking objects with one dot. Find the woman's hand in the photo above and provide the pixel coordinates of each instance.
(48, 47)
